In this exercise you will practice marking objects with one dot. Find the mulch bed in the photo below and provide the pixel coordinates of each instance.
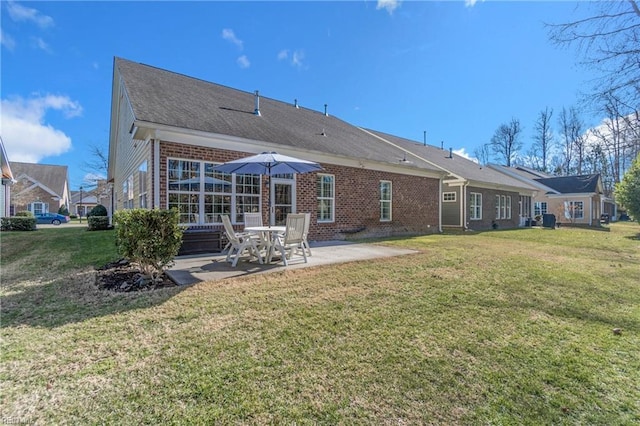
(122, 277)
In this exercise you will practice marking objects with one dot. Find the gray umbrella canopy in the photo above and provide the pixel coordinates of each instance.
(269, 164)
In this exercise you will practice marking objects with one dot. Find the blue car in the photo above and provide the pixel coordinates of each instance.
(51, 218)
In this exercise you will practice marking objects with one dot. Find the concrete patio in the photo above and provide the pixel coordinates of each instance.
(213, 267)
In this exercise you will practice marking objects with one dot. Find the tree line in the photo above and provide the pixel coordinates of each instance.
(607, 41)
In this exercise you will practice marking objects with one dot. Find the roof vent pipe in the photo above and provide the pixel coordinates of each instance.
(450, 152)
(256, 111)
(325, 110)
(295, 103)
(425, 138)
(442, 145)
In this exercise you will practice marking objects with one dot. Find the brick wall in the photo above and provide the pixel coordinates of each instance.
(489, 210)
(357, 197)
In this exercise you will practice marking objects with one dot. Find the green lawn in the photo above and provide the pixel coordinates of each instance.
(502, 327)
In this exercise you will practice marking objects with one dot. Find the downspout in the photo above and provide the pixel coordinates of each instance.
(156, 173)
(463, 210)
(440, 204)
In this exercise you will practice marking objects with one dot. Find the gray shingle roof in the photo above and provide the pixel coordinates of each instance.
(572, 184)
(52, 176)
(168, 98)
(454, 163)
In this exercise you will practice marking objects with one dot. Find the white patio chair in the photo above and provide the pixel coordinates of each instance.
(240, 242)
(305, 242)
(291, 242)
(252, 219)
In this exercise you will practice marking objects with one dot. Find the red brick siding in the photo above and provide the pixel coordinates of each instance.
(357, 196)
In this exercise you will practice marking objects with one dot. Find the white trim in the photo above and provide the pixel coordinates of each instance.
(156, 173)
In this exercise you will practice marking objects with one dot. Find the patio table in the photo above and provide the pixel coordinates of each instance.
(269, 234)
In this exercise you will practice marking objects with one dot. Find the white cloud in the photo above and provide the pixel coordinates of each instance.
(283, 54)
(21, 13)
(26, 135)
(471, 3)
(230, 36)
(294, 58)
(243, 62)
(39, 43)
(7, 41)
(388, 5)
(463, 153)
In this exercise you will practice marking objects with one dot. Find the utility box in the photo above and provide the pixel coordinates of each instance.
(549, 220)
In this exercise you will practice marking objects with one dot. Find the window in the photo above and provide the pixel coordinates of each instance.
(201, 194)
(539, 208)
(326, 198)
(38, 208)
(127, 193)
(575, 209)
(385, 200)
(497, 207)
(142, 185)
(508, 205)
(503, 206)
(449, 197)
(475, 205)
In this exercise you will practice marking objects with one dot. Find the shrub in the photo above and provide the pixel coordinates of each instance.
(63, 210)
(24, 213)
(98, 223)
(73, 216)
(18, 223)
(98, 210)
(149, 238)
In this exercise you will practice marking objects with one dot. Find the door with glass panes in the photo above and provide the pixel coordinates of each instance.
(283, 198)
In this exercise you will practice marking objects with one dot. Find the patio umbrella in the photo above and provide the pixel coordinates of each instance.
(269, 164)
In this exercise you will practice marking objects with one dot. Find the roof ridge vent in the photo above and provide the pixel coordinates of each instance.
(256, 111)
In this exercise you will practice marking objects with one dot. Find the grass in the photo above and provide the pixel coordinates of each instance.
(502, 327)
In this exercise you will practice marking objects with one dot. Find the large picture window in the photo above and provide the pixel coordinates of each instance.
(326, 198)
(385, 200)
(202, 194)
(475, 206)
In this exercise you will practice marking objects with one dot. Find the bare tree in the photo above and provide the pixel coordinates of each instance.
(573, 140)
(542, 140)
(483, 154)
(506, 143)
(608, 41)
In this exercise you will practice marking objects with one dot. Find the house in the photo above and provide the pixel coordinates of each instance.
(84, 200)
(577, 199)
(473, 196)
(168, 129)
(39, 188)
(7, 182)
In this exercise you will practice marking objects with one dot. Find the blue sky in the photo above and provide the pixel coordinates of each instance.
(454, 69)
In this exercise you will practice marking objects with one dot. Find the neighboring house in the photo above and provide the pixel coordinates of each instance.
(39, 188)
(577, 199)
(473, 196)
(7, 182)
(82, 202)
(168, 128)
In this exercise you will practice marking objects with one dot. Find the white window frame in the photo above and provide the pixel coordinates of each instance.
(44, 207)
(539, 208)
(572, 209)
(475, 205)
(204, 200)
(508, 205)
(323, 199)
(497, 207)
(142, 185)
(386, 204)
(451, 195)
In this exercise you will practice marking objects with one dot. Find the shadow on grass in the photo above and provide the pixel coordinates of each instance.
(71, 299)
